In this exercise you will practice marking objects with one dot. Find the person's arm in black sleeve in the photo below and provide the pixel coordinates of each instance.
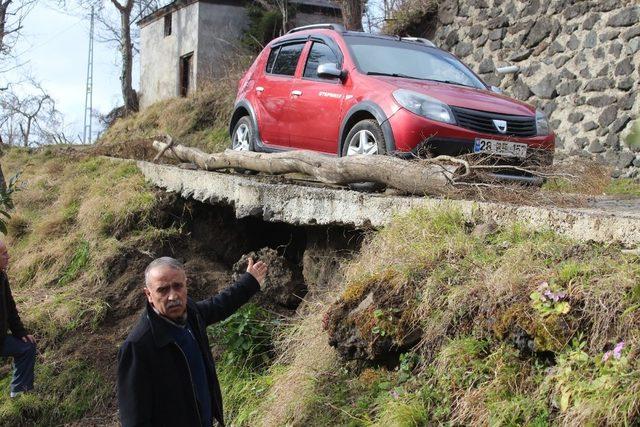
(224, 304)
(134, 388)
(13, 318)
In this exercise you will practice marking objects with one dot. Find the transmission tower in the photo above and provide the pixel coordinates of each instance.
(88, 97)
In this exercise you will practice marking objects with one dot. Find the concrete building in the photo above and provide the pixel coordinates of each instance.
(184, 43)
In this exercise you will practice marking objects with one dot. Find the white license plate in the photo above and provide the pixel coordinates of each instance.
(501, 148)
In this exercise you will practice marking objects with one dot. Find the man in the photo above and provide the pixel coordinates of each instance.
(166, 374)
(19, 344)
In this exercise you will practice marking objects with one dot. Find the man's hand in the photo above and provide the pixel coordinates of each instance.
(257, 270)
(29, 338)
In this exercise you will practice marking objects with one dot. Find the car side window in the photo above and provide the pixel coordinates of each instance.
(320, 53)
(272, 58)
(287, 59)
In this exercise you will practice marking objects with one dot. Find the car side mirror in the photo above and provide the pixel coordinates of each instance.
(330, 70)
(496, 89)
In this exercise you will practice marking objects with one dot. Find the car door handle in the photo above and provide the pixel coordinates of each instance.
(259, 89)
(296, 92)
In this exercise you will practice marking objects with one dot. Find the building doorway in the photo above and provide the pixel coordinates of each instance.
(186, 74)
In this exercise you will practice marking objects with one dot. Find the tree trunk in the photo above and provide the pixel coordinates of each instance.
(352, 11)
(411, 177)
(129, 96)
(4, 5)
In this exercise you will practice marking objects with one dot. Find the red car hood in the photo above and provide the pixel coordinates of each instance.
(466, 97)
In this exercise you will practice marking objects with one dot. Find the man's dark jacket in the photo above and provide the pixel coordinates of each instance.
(9, 318)
(154, 382)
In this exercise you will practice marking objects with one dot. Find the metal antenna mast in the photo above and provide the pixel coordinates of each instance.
(88, 97)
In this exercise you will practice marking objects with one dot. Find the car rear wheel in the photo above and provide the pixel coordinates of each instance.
(242, 138)
(366, 138)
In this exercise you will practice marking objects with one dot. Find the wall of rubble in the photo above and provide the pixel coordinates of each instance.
(579, 62)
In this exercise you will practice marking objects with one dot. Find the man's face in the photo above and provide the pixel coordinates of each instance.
(166, 291)
(4, 256)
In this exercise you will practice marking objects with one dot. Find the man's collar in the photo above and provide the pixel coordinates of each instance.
(159, 327)
(181, 323)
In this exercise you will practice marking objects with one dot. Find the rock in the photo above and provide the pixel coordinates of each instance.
(602, 131)
(575, 117)
(579, 100)
(631, 33)
(598, 53)
(591, 125)
(546, 87)
(615, 49)
(568, 87)
(540, 31)
(495, 45)
(486, 66)
(581, 142)
(590, 21)
(606, 5)
(608, 116)
(501, 21)
(599, 85)
(636, 162)
(604, 71)
(555, 124)
(612, 141)
(601, 100)
(463, 49)
(624, 67)
(595, 147)
(625, 84)
(566, 74)
(451, 39)
(497, 34)
(556, 48)
(483, 230)
(493, 79)
(627, 101)
(531, 70)
(482, 40)
(626, 159)
(573, 42)
(447, 11)
(560, 61)
(549, 108)
(609, 35)
(532, 8)
(475, 31)
(520, 90)
(591, 40)
(575, 10)
(520, 56)
(284, 285)
(620, 123)
(633, 46)
(624, 18)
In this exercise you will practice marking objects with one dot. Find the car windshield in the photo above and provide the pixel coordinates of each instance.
(376, 56)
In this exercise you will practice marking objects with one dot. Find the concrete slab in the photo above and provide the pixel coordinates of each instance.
(611, 221)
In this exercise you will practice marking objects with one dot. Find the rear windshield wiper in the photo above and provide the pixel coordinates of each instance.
(377, 73)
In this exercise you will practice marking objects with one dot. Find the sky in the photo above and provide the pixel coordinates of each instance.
(54, 49)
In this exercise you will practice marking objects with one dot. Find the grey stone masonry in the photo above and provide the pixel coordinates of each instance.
(579, 61)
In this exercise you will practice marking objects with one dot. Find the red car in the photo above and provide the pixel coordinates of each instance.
(340, 92)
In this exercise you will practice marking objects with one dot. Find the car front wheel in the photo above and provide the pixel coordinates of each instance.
(243, 135)
(365, 137)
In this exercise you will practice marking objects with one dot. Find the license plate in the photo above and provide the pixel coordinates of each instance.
(501, 148)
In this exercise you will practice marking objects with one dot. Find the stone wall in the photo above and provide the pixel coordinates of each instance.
(579, 62)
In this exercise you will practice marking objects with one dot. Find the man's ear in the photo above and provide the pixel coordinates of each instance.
(147, 293)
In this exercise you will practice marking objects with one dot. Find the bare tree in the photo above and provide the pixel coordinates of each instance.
(12, 15)
(31, 111)
(352, 11)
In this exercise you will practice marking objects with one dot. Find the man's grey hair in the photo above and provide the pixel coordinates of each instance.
(165, 261)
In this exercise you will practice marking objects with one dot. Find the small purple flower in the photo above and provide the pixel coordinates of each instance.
(617, 351)
(606, 356)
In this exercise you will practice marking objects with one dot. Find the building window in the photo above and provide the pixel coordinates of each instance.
(167, 25)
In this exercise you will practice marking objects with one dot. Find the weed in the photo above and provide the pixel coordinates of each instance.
(76, 265)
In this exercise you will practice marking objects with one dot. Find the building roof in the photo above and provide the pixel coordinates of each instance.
(325, 6)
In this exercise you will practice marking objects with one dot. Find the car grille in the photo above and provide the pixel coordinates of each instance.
(482, 121)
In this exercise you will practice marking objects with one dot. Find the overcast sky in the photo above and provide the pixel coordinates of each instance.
(54, 47)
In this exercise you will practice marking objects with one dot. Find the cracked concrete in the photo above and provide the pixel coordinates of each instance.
(608, 221)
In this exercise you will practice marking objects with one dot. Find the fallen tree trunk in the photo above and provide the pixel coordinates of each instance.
(422, 178)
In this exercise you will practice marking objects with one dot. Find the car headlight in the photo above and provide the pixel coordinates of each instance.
(542, 124)
(424, 105)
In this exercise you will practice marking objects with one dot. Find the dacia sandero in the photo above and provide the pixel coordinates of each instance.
(342, 93)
